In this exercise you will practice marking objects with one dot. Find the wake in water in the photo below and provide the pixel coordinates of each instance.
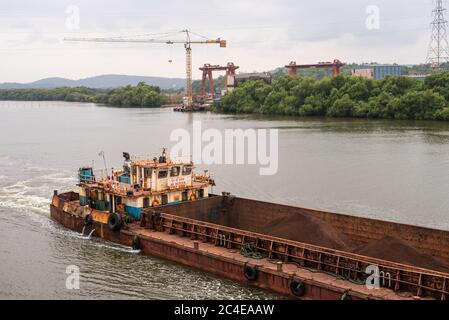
(33, 194)
(18, 197)
(32, 197)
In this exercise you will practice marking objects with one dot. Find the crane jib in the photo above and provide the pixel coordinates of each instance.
(187, 42)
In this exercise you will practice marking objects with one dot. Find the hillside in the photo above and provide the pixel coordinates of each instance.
(97, 82)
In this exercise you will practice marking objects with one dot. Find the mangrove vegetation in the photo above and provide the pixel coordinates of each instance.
(142, 95)
(344, 96)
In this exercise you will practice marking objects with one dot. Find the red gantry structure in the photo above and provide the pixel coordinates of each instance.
(337, 65)
(207, 74)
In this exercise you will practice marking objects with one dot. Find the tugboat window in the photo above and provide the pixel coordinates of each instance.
(164, 199)
(147, 173)
(186, 170)
(163, 174)
(174, 172)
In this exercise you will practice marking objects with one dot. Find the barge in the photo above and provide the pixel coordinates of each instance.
(164, 209)
(193, 108)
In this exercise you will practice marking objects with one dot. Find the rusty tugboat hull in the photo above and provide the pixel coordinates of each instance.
(210, 234)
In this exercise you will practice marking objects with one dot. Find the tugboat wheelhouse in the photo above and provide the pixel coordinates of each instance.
(142, 183)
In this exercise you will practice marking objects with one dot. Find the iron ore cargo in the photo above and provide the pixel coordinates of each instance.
(164, 208)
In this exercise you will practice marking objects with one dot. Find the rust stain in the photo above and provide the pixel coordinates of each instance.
(100, 216)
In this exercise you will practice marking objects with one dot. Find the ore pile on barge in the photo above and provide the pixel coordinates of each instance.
(166, 210)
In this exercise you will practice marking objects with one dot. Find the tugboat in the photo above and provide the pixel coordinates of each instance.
(142, 183)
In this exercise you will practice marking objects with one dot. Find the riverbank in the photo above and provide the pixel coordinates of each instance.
(142, 95)
(401, 98)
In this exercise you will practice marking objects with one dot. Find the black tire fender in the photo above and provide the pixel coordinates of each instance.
(114, 221)
(297, 288)
(88, 220)
(136, 242)
(250, 272)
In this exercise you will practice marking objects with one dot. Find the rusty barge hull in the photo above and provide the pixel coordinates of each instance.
(202, 259)
(201, 235)
(205, 257)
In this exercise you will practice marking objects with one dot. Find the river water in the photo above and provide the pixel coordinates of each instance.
(391, 170)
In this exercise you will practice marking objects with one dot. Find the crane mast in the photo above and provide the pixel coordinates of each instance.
(189, 86)
(187, 45)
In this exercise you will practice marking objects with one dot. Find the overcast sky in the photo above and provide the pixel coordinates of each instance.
(261, 35)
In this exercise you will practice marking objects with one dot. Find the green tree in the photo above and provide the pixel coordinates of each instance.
(438, 82)
(419, 105)
(343, 107)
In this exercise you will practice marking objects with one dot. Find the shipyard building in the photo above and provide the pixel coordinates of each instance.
(377, 71)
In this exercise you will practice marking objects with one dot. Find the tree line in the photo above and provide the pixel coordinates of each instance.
(344, 96)
(142, 95)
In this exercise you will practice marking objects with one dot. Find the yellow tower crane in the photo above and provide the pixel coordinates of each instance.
(187, 42)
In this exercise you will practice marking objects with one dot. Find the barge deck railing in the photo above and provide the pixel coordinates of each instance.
(420, 282)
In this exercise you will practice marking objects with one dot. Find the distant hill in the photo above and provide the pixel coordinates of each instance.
(117, 80)
(100, 82)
